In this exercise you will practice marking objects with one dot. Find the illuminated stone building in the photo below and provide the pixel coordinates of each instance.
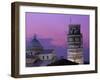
(36, 55)
(75, 44)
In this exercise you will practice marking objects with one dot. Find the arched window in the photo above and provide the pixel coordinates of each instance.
(47, 57)
(31, 53)
(43, 57)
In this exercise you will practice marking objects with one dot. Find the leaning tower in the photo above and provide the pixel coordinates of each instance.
(75, 44)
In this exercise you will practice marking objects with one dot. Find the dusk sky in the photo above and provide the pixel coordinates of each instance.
(52, 29)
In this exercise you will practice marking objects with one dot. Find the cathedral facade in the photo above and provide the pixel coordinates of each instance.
(36, 55)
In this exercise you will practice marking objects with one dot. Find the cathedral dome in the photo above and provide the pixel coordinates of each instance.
(36, 45)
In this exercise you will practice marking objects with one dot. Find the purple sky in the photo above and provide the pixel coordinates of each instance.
(53, 28)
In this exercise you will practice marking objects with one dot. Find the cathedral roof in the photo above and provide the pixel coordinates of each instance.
(47, 51)
(34, 44)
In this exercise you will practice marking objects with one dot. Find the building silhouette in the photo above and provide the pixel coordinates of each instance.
(36, 55)
(75, 44)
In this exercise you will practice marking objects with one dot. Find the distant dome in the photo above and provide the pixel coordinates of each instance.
(36, 45)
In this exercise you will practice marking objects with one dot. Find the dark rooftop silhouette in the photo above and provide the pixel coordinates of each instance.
(62, 62)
